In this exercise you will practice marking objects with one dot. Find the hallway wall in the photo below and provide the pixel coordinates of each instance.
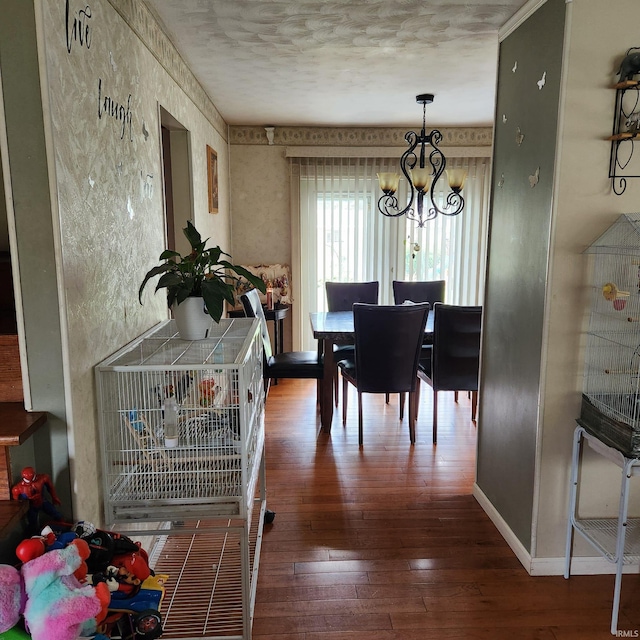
(104, 70)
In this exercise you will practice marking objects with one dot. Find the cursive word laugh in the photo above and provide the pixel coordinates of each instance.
(107, 106)
(78, 30)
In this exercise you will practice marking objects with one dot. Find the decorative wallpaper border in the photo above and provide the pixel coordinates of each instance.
(356, 136)
(144, 24)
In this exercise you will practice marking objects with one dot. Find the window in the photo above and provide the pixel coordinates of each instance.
(343, 236)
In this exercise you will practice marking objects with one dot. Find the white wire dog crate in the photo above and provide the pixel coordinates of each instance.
(211, 483)
(611, 392)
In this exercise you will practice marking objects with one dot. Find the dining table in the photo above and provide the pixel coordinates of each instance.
(336, 327)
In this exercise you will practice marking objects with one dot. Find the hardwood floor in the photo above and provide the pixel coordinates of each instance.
(387, 543)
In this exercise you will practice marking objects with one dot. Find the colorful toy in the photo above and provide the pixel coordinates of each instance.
(58, 606)
(52, 596)
(51, 600)
(31, 488)
(612, 294)
(208, 390)
(16, 633)
(138, 615)
(11, 597)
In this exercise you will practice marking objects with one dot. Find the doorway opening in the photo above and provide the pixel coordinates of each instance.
(178, 195)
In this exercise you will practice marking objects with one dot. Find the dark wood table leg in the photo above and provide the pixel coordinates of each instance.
(277, 337)
(277, 341)
(326, 414)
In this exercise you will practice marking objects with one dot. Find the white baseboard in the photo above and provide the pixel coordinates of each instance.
(581, 565)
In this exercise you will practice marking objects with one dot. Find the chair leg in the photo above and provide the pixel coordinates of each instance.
(455, 396)
(359, 418)
(345, 395)
(386, 398)
(335, 388)
(417, 402)
(412, 416)
(435, 416)
(402, 401)
(474, 405)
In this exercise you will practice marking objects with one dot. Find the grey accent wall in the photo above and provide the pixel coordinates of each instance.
(35, 257)
(522, 191)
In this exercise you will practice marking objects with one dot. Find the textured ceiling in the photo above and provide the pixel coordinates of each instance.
(341, 62)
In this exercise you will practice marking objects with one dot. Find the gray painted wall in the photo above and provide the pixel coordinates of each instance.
(525, 145)
(35, 259)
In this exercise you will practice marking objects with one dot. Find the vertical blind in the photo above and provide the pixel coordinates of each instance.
(343, 236)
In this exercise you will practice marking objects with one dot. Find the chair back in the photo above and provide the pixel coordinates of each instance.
(455, 360)
(341, 296)
(430, 291)
(253, 309)
(388, 342)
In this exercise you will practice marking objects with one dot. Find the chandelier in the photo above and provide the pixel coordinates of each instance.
(422, 173)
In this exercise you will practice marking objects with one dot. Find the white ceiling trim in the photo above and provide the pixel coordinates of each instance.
(519, 17)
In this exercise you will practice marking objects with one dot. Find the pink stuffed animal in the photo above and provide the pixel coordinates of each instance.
(11, 597)
(58, 607)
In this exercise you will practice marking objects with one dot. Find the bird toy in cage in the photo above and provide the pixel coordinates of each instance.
(612, 294)
(208, 389)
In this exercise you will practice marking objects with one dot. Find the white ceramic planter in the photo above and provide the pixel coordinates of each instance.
(192, 320)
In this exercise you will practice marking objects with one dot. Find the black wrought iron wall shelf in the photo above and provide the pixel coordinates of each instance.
(626, 131)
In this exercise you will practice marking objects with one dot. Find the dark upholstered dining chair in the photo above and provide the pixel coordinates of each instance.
(290, 364)
(430, 291)
(388, 343)
(455, 356)
(341, 296)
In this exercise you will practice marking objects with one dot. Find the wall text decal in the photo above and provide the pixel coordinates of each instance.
(79, 31)
(119, 112)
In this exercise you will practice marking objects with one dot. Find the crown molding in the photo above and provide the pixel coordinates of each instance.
(145, 25)
(356, 136)
(520, 16)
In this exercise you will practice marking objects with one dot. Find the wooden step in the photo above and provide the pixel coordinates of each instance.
(10, 370)
(16, 425)
(11, 513)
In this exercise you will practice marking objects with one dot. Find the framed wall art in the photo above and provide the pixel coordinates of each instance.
(212, 179)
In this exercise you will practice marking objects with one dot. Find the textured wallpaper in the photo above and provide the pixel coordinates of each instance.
(104, 89)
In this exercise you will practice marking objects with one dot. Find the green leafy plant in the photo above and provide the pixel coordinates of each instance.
(203, 273)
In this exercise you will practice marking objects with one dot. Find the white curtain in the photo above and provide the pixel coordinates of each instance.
(343, 236)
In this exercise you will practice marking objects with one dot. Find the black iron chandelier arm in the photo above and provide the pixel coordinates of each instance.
(423, 218)
(454, 204)
(388, 203)
(388, 206)
(436, 158)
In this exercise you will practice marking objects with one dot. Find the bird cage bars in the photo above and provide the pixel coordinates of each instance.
(216, 383)
(611, 392)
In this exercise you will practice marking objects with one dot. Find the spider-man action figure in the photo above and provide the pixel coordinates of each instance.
(31, 488)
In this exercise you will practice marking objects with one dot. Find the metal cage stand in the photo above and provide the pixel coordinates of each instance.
(617, 540)
(201, 494)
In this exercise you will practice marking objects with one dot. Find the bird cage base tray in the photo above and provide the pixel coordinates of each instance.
(619, 435)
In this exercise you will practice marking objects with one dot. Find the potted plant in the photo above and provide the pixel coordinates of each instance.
(199, 282)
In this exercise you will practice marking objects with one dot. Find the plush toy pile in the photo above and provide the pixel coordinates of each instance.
(66, 583)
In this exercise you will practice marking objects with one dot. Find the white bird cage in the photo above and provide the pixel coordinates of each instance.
(611, 393)
(213, 469)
